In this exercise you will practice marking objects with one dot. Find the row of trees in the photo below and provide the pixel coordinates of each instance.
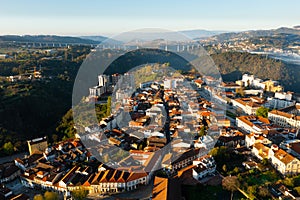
(47, 196)
(78, 194)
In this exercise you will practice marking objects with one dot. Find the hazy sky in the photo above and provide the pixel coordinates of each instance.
(104, 17)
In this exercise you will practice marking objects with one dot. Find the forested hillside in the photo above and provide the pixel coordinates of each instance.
(233, 64)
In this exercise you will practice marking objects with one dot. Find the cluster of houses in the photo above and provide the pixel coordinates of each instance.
(273, 138)
(68, 166)
(151, 106)
(73, 167)
(167, 115)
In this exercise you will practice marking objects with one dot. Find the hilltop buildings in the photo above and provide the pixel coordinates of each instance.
(251, 80)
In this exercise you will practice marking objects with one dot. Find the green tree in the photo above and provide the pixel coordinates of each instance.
(54, 138)
(262, 111)
(201, 133)
(265, 161)
(8, 148)
(50, 195)
(18, 146)
(288, 182)
(231, 184)
(297, 180)
(236, 170)
(66, 126)
(38, 197)
(80, 194)
(222, 156)
(297, 189)
(224, 168)
(263, 192)
(252, 190)
(108, 106)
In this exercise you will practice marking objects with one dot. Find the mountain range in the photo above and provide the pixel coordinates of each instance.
(46, 39)
(198, 34)
(255, 33)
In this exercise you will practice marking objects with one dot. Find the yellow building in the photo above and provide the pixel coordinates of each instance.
(37, 145)
(272, 86)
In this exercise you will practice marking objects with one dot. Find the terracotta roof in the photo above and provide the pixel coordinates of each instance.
(245, 120)
(295, 147)
(186, 155)
(230, 84)
(206, 114)
(88, 182)
(160, 189)
(135, 176)
(198, 81)
(255, 98)
(248, 119)
(123, 177)
(283, 156)
(240, 101)
(98, 177)
(115, 176)
(263, 150)
(181, 171)
(252, 104)
(166, 189)
(107, 175)
(284, 114)
(66, 178)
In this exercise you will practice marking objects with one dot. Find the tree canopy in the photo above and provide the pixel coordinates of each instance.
(8, 148)
(230, 183)
(262, 111)
(79, 194)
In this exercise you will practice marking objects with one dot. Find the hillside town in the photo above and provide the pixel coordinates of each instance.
(175, 126)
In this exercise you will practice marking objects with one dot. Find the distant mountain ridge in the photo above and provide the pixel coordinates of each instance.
(201, 33)
(197, 34)
(254, 33)
(99, 39)
(153, 34)
(46, 39)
